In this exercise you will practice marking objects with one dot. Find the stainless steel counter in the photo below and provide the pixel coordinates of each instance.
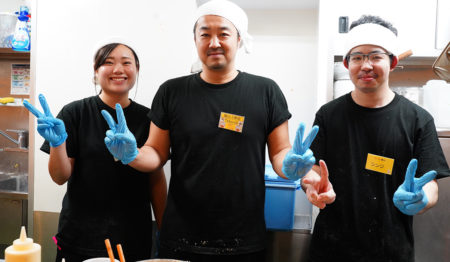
(5, 194)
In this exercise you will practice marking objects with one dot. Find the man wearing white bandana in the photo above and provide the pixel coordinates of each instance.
(382, 154)
(217, 124)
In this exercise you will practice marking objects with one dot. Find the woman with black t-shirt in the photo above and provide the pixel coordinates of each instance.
(105, 198)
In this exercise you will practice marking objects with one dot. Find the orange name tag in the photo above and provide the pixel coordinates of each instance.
(380, 164)
(231, 122)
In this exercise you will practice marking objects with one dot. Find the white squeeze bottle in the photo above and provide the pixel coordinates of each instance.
(23, 250)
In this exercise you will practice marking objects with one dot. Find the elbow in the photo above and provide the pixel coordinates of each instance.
(59, 182)
(59, 179)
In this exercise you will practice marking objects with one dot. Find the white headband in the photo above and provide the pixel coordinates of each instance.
(232, 13)
(372, 34)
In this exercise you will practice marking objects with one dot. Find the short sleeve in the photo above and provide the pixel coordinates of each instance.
(159, 111)
(279, 112)
(318, 145)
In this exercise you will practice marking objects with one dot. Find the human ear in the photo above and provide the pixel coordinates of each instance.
(394, 62)
(345, 62)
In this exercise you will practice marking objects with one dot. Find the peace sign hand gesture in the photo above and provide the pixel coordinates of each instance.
(410, 197)
(300, 159)
(49, 127)
(120, 142)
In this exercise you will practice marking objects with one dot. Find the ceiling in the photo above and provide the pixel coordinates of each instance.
(273, 4)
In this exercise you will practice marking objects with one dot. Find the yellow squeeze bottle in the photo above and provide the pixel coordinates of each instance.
(23, 250)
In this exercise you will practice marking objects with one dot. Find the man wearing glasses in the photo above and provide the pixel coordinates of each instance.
(374, 143)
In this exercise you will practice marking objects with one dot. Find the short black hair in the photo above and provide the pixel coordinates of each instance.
(372, 19)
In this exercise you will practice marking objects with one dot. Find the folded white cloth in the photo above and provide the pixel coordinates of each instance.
(371, 34)
(232, 13)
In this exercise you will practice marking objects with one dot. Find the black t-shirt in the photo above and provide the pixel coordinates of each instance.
(215, 203)
(363, 224)
(104, 198)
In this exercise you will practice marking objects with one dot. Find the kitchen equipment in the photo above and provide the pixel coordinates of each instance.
(405, 54)
(279, 201)
(109, 249)
(161, 260)
(413, 94)
(7, 25)
(120, 252)
(23, 249)
(100, 259)
(442, 64)
(22, 139)
(436, 97)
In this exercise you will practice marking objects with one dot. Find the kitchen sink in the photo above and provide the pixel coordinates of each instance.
(14, 171)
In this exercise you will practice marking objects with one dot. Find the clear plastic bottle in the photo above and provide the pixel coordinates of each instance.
(21, 38)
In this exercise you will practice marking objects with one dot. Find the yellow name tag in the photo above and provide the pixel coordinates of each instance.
(379, 164)
(231, 122)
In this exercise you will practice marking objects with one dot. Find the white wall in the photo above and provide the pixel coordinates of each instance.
(62, 54)
(285, 50)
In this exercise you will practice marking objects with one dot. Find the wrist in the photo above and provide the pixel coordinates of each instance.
(130, 158)
(59, 142)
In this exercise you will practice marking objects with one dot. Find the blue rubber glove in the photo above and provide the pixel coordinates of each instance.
(120, 142)
(300, 159)
(49, 127)
(410, 197)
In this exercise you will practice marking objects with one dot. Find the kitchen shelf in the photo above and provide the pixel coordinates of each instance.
(17, 102)
(8, 53)
(15, 149)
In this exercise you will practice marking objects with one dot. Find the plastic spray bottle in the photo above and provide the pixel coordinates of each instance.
(23, 250)
(21, 38)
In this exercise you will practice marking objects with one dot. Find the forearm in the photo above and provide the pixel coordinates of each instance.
(158, 194)
(148, 160)
(60, 166)
(277, 161)
(432, 193)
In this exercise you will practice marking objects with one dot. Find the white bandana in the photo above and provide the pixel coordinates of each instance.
(371, 34)
(232, 13)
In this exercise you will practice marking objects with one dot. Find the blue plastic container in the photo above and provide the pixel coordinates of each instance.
(279, 205)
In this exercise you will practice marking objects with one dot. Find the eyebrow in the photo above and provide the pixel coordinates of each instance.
(208, 28)
(122, 57)
(361, 53)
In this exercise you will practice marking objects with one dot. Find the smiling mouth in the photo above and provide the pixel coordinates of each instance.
(215, 54)
(118, 78)
(367, 77)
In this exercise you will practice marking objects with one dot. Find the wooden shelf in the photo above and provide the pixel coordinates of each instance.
(8, 53)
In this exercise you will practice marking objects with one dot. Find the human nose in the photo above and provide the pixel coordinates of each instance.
(366, 62)
(118, 68)
(214, 42)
